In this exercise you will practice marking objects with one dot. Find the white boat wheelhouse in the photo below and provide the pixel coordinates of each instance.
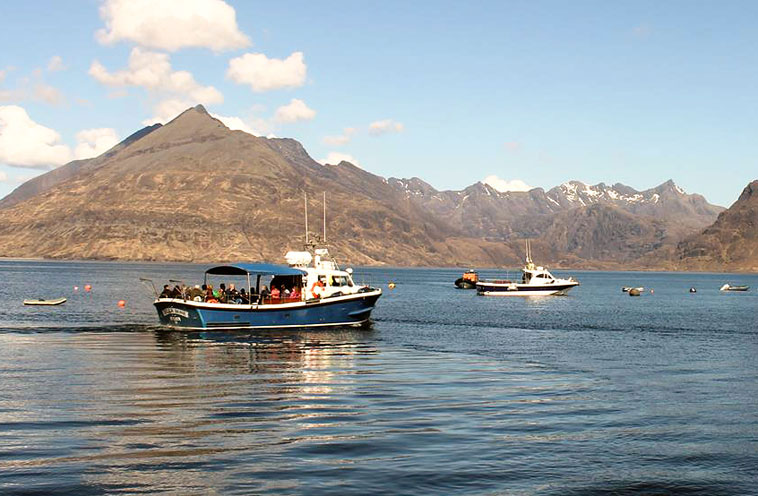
(323, 278)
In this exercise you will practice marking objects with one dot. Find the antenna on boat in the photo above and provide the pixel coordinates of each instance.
(324, 217)
(305, 199)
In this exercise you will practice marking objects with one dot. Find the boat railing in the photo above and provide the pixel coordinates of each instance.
(280, 300)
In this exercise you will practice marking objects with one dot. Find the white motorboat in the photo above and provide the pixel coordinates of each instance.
(535, 281)
(730, 287)
(42, 302)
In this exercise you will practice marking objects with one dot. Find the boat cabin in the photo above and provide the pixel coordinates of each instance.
(323, 277)
(536, 275)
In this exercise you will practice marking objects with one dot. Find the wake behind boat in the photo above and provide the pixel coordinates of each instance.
(535, 281)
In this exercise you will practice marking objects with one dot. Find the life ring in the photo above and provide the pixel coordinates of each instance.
(317, 292)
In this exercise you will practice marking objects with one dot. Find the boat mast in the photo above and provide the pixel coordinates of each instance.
(324, 217)
(305, 201)
(528, 252)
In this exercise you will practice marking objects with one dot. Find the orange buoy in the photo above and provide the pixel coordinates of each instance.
(391, 285)
(122, 303)
(87, 287)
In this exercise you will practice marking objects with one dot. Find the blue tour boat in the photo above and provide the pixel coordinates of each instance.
(327, 297)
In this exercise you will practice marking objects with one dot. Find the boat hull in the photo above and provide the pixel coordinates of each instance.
(58, 301)
(462, 283)
(336, 311)
(497, 289)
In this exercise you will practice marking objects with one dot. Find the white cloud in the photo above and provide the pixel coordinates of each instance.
(93, 142)
(377, 128)
(172, 24)
(32, 88)
(11, 95)
(236, 124)
(48, 94)
(254, 126)
(295, 110)
(341, 139)
(166, 110)
(3, 177)
(24, 143)
(264, 74)
(153, 71)
(55, 64)
(335, 158)
(503, 185)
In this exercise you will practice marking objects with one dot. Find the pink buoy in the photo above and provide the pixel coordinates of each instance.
(76, 288)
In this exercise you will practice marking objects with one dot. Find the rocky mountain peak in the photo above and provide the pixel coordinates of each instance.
(750, 192)
(199, 108)
(730, 243)
(193, 125)
(668, 187)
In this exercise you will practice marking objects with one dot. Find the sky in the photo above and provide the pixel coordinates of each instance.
(516, 93)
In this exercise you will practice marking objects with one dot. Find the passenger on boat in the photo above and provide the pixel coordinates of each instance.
(196, 294)
(176, 292)
(232, 295)
(209, 294)
(285, 292)
(275, 293)
(296, 295)
(265, 292)
(222, 295)
(166, 293)
(244, 299)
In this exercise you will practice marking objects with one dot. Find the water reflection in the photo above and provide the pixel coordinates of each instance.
(143, 405)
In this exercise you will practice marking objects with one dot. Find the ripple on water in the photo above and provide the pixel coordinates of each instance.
(590, 394)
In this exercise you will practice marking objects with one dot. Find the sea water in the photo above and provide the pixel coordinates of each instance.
(446, 392)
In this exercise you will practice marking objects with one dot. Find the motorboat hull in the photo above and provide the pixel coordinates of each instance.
(58, 301)
(734, 288)
(485, 288)
(353, 309)
(462, 283)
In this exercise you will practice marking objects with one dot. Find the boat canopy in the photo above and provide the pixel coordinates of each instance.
(242, 269)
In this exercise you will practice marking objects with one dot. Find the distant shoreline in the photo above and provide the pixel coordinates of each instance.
(387, 266)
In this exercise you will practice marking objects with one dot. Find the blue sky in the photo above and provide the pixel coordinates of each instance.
(533, 92)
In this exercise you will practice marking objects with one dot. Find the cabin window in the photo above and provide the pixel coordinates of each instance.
(339, 281)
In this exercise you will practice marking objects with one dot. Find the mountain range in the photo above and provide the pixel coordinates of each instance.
(193, 190)
(731, 243)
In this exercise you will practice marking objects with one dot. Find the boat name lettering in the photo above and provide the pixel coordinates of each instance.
(175, 311)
